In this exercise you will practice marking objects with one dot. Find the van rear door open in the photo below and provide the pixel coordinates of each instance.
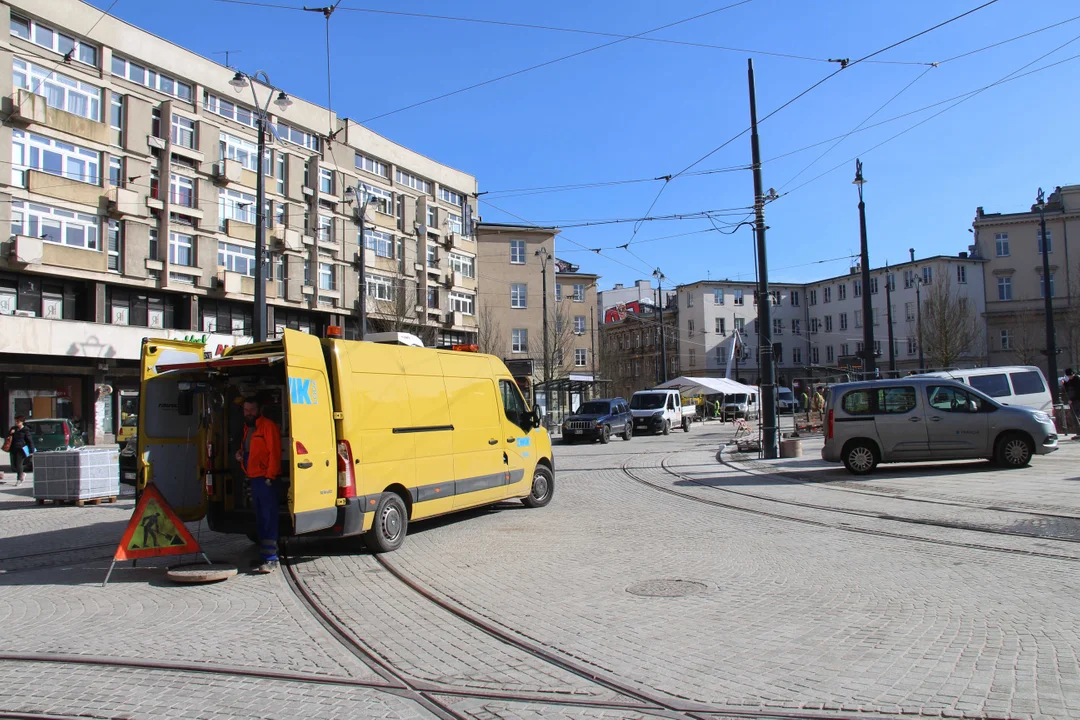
(168, 441)
(313, 443)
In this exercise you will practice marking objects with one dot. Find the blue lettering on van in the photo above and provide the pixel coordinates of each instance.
(303, 391)
(524, 442)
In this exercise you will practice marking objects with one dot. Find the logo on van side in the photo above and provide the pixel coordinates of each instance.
(303, 391)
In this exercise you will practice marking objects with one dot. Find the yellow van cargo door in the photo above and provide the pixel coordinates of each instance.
(168, 442)
(479, 467)
(313, 452)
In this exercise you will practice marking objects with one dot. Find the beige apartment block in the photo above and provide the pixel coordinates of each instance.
(132, 204)
(575, 322)
(1015, 304)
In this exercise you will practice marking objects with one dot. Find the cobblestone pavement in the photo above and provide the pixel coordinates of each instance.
(674, 591)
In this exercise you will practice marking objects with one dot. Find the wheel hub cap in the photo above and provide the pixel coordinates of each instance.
(1016, 452)
(391, 523)
(861, 459)
(540, 486)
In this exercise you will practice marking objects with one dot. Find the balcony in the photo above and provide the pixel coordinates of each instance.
(240, 230)
(228, 171)
(27, 250)
(26, 107)
(285, 238)
(121, 202)
(63, 188)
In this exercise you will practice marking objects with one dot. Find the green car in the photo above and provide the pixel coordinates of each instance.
(53, 434)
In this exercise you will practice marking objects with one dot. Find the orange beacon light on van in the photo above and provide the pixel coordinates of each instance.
(334, 331)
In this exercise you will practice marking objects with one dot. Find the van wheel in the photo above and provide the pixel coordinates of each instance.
(628, 432)
(543, 487)
(1013, 451)
(391, 523)
(605, 435)
(667, 427)
(686, 424)
(860, 457)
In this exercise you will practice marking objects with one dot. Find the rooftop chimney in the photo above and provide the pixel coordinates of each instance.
(618, 286)
(912, 251)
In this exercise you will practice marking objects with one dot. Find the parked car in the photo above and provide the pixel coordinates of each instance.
(785, 400)
(129, 461)
(922, 418)
(1013, 385)
(53, 434)
(740, 405)
(660, 410)
(599, 420)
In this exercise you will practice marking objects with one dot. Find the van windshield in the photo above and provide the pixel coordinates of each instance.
(736, 398)
(647, 401)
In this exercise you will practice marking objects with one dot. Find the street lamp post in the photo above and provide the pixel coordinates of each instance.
(864, 259)
(239, 82)
(1048, 300)
(889, 318)
(542, 253)
(362, 199)
(663, 344)
(918, 322)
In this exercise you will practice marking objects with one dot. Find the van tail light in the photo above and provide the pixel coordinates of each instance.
(829, 426)
(300, 449)
(346, 476)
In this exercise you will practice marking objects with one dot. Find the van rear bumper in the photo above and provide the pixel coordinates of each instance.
(349, 520)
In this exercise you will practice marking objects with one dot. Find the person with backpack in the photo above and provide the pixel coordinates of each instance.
(19, 444)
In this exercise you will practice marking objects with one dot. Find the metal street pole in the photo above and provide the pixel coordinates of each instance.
(1048, 300)
(542, 253)
(888, 318)
(767, 374)
(239, 82)
(362, 200)
(869, 363)
(663, 341)
(918, 322)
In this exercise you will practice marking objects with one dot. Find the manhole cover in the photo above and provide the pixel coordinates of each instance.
(667, 588)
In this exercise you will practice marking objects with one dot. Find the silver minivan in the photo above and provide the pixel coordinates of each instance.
(922, 418)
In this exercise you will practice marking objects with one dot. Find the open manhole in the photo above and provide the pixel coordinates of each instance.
(667, 588)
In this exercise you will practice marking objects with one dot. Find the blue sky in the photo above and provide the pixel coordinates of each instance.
(642, 109)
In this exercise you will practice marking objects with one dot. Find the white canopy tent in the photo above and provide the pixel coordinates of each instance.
(708, 386)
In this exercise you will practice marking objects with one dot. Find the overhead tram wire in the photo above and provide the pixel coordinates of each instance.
(964, 98)
(555, 60)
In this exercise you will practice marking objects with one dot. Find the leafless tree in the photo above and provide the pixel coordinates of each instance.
(489, 332)
(950, 326)
(559, 345)
(398, 313)
(1027, 340)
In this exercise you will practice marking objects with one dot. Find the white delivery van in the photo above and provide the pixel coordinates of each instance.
(660, 410)
(1022, 385)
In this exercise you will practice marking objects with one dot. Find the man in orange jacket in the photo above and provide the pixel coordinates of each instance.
(260, 457)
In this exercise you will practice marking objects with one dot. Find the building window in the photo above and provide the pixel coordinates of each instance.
(689, 300)
(961, 274)
(326, 181)
(796, 355)
(281, 274)
(116, 171)
(778, 326)
(181, 191)
(718, 296)
(153, 252)
(371, 165)
(519, 340)
(433, 297)
(740, 324)
(814, 356)
(858, 318)
(37, 152)
(580, 357)
(1001, 244)
(856, 288)
(877, 348)
(432, 256)
(412, 181)
(1004, 288)
(379, 287)
(739, 299)
(236, 258)
(692, 357)
(379, 242)
(236, 205)
(54, 40)
(453, 223)
(828, 323)
(115, 245)
(558, 292)
(462, 302)
(812, 295)
(1049, 241)
(55, 225)
(909, 278)
(150, 78)
(384, 199)
(843, 321)
(181, 249)
(298, 137)
(874, 285)
(794, 295)
(517, 252)
(830, 356)
(449, 196)
(183, 131)
(690, 328)
(927, 275)
(326, 275)
(909, 311)
(1042, 285)
(519, 295)
(796, 327)
(1006, 339)
(60, 91)
(841, 291)
(579, 293)
(720, 327)
(242, 151)
(228, 109)
(463, 264)
(912, 346)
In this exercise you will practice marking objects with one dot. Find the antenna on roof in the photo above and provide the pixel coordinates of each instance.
(227, 53)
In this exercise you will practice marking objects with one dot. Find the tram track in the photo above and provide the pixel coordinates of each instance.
(630, 473)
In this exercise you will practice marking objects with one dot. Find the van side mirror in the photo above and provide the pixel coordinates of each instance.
(534, 418)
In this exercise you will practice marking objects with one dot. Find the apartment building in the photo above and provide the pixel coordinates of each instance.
(817, 327)
(630, 349)
(132, 207)
(1011, 243)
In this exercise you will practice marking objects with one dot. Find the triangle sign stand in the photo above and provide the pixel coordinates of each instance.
(154, 531)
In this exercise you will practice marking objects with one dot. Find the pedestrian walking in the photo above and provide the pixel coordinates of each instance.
(818, 403)
(1072, 392)
(260, 457)
(20, 445)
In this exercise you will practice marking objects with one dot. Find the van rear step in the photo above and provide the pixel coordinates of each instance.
(77, 503)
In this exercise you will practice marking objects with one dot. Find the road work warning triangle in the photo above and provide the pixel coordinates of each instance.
(154, 530)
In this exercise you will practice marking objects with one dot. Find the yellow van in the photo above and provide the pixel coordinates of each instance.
(373, 436)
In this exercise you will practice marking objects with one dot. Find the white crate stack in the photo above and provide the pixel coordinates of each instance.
(82, 474)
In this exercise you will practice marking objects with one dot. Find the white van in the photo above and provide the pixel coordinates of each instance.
(1022, 385)
(741, 405)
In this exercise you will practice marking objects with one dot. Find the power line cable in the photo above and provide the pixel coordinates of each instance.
(1012, 39)
(552, 62)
